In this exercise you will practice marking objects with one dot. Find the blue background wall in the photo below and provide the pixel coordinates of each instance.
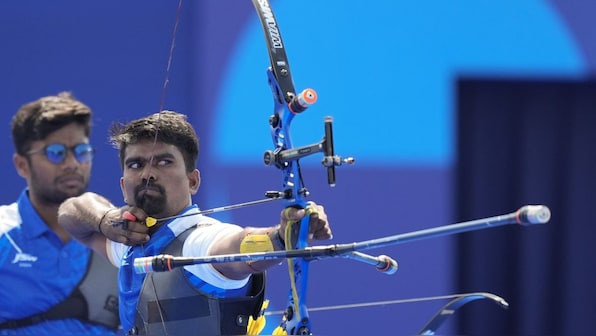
(386, 71)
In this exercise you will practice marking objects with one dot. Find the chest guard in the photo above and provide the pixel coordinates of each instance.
(170, 305)
(94, 300)
(100, 290)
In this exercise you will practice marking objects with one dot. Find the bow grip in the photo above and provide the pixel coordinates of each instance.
(297, 236)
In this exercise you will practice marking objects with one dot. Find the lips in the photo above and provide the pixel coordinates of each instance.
(148, 189)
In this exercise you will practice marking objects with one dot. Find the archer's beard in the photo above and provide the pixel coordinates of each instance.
(151, 204)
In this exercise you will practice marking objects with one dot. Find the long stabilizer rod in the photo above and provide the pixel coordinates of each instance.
(526, 215)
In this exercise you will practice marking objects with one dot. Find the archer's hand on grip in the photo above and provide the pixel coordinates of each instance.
(319, 228)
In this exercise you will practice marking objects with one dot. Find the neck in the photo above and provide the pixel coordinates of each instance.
(49, 215)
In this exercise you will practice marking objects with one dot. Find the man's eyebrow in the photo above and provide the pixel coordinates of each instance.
(133, 159)
(158, 157)
(146, 159)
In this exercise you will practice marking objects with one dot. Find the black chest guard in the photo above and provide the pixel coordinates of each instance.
(170, 305)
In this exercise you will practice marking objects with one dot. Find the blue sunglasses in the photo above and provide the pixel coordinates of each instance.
(56, 153)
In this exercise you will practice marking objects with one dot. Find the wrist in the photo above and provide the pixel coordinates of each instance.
(101, 221)
(276, 238)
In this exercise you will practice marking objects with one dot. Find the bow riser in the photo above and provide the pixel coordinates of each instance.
(286, 159)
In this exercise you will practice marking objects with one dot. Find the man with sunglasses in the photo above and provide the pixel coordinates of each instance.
(50, 284)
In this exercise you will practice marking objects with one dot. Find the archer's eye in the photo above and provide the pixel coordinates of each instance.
(163, 162)
(134, 165)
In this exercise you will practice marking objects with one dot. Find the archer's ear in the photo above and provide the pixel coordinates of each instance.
(194, 181)
(21, 165)
(123, 190)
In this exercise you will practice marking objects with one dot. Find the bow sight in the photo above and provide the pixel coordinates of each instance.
(280, 157)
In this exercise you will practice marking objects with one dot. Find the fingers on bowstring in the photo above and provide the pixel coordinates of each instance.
(132, 231)
(134, 214)
(130, 237)
(128, 216)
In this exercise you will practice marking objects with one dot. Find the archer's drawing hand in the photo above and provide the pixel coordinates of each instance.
(125, 225)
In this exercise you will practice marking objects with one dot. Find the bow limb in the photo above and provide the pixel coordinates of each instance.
(166, 80)
(457, 301)
(450, 308)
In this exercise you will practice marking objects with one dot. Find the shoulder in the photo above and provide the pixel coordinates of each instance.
(207, 231)
(199, 242)
(9, 217)
(115, 252)
(211, 228)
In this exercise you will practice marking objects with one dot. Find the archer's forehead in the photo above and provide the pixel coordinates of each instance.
(147, 149)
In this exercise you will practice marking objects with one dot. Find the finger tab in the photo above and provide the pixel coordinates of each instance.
(128, 216)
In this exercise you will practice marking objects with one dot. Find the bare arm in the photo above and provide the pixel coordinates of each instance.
(319, 229)
(89, 219)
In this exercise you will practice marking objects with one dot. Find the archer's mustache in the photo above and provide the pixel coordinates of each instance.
(149, 186)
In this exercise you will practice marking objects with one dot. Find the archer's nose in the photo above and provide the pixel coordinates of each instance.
(148, 174)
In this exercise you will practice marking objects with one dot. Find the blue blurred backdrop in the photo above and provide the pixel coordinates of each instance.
(386, 70)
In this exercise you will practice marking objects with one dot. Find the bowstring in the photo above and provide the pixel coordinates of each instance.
(167, 78)
(161, 108)
(381, 303)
